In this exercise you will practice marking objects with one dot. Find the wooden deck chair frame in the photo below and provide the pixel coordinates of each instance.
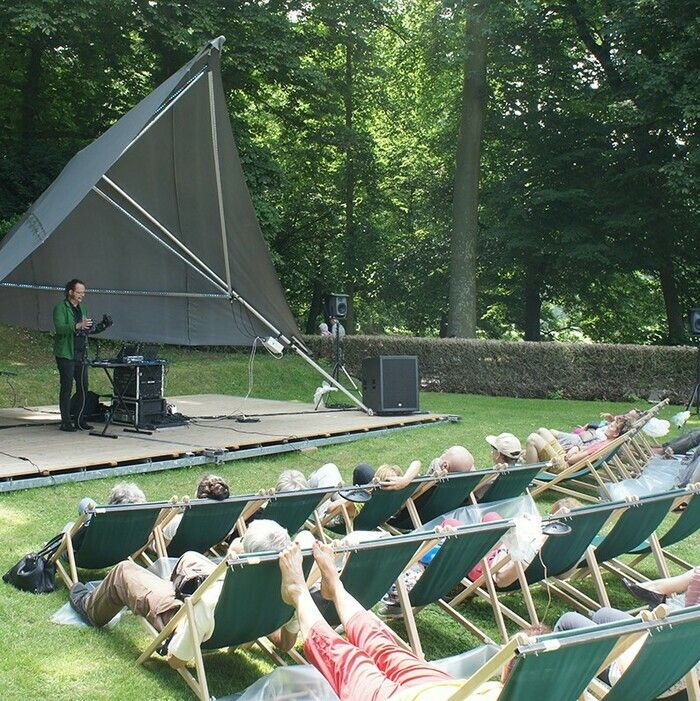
(198, 681)
(68, 549)
(637, 519)
(638, 679)
(588, 466)
(556, 558)
(679, 531)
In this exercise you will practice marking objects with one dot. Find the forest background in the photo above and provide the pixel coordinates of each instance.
(515, 170)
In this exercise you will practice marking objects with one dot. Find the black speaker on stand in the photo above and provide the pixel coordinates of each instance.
(390, 384)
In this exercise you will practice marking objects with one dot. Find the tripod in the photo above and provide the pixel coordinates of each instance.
(695, 392)
(339, 366)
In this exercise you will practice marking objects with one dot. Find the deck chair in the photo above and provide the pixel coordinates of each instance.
(435, 497)
(557, 557)
(553, 666)
(105, 536)
(510, 482)
(248, 609)
(638, 519)
(574, 475)
(379, 509)
(686, 524)
(289, 509)
(669, 654)
(204, 524)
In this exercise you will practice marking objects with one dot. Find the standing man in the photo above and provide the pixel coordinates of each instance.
(73, 324)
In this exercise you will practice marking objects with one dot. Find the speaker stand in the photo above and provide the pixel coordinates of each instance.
(695, 392)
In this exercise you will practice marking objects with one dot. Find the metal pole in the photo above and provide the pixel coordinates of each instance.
(217, 173)
(215, 282)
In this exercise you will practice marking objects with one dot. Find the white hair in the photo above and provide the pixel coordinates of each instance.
(291, 481)
(264, 535)
(126, 493)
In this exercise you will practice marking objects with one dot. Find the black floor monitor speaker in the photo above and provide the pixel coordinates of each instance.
(390, 384)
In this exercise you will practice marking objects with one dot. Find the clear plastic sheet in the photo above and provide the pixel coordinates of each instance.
(659, 475)
(468, 515)
(305, 683)
(66, 616)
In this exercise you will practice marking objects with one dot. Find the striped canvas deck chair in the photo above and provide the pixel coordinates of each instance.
(248, 609)
(558, 556)
(686, 525)
(105, 536)
(637, 519)
(204, 524)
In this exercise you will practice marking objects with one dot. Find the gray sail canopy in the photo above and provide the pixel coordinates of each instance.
(156, 218)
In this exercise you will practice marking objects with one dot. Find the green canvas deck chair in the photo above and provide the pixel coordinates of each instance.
(459, 553)
(510, 482)
(105, 536)
(686, 525)
(638, 519)
(583, 479)
(558, 556)
(558, 666)
(378, 510)
(290, 509)
(249, 608)
(668, 655)
(204, 524)
(435, 497)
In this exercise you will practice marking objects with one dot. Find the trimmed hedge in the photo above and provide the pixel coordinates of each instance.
(548, 370)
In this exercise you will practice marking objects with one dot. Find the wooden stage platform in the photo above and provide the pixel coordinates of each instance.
(35, 453)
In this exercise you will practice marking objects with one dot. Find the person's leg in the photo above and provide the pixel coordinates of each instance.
(571, 621)
(610, 615)
(136, 588)
(366, 632)
(351, 672)
(532, 448)
(81, 388)
(671, 585)
(65, 374)
(684, 443)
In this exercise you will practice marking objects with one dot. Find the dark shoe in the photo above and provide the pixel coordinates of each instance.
(67, 427)
(642, 593)
(84, 426)
(78, 593)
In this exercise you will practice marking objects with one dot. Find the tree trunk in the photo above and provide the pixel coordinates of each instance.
(533, 303)
(674, 314)
(462, 295)
(350, 257)
(31, 88)
(316, 307)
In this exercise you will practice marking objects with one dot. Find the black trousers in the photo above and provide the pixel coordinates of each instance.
(685, 442)
(69, 371)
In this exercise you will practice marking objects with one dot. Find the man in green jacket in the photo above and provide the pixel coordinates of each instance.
(73, 325)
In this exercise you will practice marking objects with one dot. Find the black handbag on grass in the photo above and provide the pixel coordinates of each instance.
(34, 572)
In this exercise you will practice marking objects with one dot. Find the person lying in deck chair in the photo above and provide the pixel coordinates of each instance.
(543, 445)
(158, 600)
(454, 459)
(369, 665)
(385, 476)
(658, 590)
(209, 487)
(506, 451)
(122, 493)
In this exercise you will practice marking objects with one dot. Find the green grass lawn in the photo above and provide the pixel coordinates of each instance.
(40, 659)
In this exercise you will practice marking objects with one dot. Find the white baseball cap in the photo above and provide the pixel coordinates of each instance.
(506, 444)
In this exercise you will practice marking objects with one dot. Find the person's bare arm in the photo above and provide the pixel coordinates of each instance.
(401, 482)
